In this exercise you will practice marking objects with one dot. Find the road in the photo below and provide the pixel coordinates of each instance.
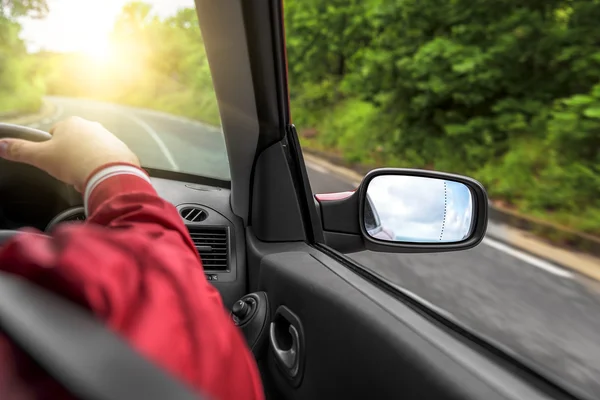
(161, 141)
(539, 311)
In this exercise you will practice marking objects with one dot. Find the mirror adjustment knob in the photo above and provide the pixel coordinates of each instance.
(240, 309)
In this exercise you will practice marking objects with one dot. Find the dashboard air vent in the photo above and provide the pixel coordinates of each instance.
(193, 214)
(213, 246)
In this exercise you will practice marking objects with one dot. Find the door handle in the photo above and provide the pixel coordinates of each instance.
(286, 338)
(289, 358)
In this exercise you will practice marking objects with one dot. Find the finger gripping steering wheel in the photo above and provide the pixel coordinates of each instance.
(19, 132)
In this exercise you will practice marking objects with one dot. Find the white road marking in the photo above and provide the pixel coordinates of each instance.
(317, 168)
(160, 114)
(529, 259)
(156, 138)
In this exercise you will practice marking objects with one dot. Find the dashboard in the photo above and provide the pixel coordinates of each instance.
(40, 201)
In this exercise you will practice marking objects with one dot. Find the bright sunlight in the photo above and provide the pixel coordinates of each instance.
(98, 49)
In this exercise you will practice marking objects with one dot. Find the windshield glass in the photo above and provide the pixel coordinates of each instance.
(138, 68)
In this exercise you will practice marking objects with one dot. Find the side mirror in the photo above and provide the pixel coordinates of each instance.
(406, 210)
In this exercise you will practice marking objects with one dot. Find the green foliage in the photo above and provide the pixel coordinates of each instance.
(344, 128)
(20, 8)
(20, 84)
(157, 63)
(506, 91)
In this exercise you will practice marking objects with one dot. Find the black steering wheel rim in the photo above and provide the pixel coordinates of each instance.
(19, 132)
(6, 235)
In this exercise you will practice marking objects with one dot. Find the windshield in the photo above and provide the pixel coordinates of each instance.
(138, 68)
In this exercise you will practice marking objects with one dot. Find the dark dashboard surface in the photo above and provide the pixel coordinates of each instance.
(30, 197)
(215, 208)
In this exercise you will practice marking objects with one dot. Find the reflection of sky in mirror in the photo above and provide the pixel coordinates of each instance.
(416, 208)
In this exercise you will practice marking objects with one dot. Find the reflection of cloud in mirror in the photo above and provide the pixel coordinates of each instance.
(459, 212)
(419, 209)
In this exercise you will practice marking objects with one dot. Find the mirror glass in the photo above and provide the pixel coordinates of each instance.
(416, 209)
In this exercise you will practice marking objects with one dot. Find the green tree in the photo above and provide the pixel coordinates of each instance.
(480, 87)
(157, 63)
(322, 38)
(20, 8)
(20, 86)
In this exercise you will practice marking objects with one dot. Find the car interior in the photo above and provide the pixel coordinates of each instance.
(318, 324)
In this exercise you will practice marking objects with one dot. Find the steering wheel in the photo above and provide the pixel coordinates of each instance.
(41, 322)
(25, 133)
(22, 132)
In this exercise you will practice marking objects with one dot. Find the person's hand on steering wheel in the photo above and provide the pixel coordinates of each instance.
(132, 265)
(77, 148)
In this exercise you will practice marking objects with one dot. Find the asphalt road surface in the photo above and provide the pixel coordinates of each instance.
(541, 312)
(160, 140)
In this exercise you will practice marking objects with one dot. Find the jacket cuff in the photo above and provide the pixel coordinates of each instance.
(112, 180)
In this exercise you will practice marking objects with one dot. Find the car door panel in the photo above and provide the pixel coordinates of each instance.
(357, 340)
(348, 323)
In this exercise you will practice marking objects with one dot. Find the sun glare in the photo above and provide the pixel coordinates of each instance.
(98, 50)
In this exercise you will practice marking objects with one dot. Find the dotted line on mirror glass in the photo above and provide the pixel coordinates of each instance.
(445, 206)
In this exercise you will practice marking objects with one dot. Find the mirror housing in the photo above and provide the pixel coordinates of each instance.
(343, 214)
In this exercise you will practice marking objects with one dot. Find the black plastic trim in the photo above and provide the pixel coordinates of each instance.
(276, 209)
(63, 216)
(341, 216)
(269, 72)
(464, 332)
(280, 58)
(255, 326)
(263, 29)
(344, 242)
(230, 283)
(191, 178)
(480, 206)
(195, 227)
(310, 216)
(402, 303)
(344, 216)
(213, 221)
(286, 314)
(227, 39)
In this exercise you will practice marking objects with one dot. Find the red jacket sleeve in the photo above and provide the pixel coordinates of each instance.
(134, 265)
